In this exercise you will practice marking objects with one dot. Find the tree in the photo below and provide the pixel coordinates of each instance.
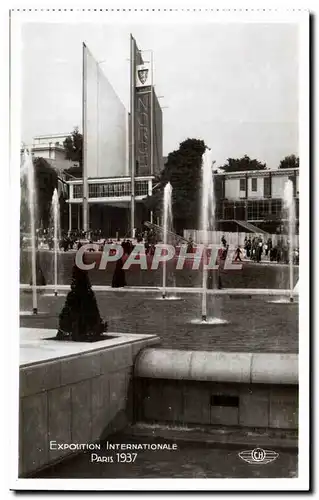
(74, 172)
(291, 161)
(73, 146)
(242, 164)
(153, 202)
(80, 318)
(46, 180)
(183, 170)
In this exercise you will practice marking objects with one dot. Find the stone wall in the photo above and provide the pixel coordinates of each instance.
(207, 403)
(78, 399)
(217, 388)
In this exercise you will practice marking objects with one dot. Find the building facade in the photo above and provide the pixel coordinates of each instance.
(109, 203)
(50, 147)
(255, 197)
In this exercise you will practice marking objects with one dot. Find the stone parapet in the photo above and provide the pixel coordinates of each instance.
(226, 367)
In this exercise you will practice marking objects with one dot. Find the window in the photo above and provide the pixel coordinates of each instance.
(292, 178)
(77, 190)
(242, 184)
(297, 209)
(263, 209)
(276, 207)
(267, 187)
(111, 189)
(254, 184)
(229, 210)
(252, 210)
(219, 209)
(141, 188)
(240, 211)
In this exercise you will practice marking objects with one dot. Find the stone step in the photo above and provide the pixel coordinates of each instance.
(234, 437)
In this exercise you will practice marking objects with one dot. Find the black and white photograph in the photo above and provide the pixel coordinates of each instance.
(163, 253)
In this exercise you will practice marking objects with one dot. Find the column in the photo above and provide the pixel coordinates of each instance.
(70, 217)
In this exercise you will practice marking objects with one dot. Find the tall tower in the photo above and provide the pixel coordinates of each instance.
(145, 120)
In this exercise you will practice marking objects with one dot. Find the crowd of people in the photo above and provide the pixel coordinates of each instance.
(255, 249)
(73, 240)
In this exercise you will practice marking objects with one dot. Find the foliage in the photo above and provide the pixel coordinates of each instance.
(46, 180)
(74, 172)
(242, 164)
(80, 319)
(73, 146)
(183, 170)
(291, 161)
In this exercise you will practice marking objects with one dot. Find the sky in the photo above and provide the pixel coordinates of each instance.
(233, 85)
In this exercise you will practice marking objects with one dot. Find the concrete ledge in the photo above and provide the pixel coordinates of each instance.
(157, 289)
(240, 367)
(164, 363)
(221, 366)
(274, 369)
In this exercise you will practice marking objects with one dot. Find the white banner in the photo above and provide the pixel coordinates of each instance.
(105, 123)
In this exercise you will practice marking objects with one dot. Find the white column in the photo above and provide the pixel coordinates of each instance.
(150, 191)
(84, 132)
(132, 109)
(70, 217)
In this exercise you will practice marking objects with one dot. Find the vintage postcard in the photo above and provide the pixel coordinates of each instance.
(155, 159)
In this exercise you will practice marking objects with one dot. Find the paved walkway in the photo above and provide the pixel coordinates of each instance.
(254, 324)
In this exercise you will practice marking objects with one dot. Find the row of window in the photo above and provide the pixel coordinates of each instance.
(267, 185)
(242, 185)
(111, 190)
(252, 209)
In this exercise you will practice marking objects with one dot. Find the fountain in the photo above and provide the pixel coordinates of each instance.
(207, 223)
(167, 231)
(28, 170)
(289, 208)
(289, 204)
(207, 216)
(55, 223)
(55, 217)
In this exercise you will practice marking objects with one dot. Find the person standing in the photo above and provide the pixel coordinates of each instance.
(237, 254)
(247, 247)
(266, 249)
(190, 245)
(118, 279)
(259, 250)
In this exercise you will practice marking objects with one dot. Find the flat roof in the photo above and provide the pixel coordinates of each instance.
(259, 172)
(66, 134)
(119, 178)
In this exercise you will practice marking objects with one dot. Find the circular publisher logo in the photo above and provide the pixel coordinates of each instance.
(258, 454)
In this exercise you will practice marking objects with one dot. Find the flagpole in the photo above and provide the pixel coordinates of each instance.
(84, 159)
(132, 124)
(152, 116)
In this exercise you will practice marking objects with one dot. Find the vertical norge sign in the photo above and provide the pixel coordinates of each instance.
(143, 119)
